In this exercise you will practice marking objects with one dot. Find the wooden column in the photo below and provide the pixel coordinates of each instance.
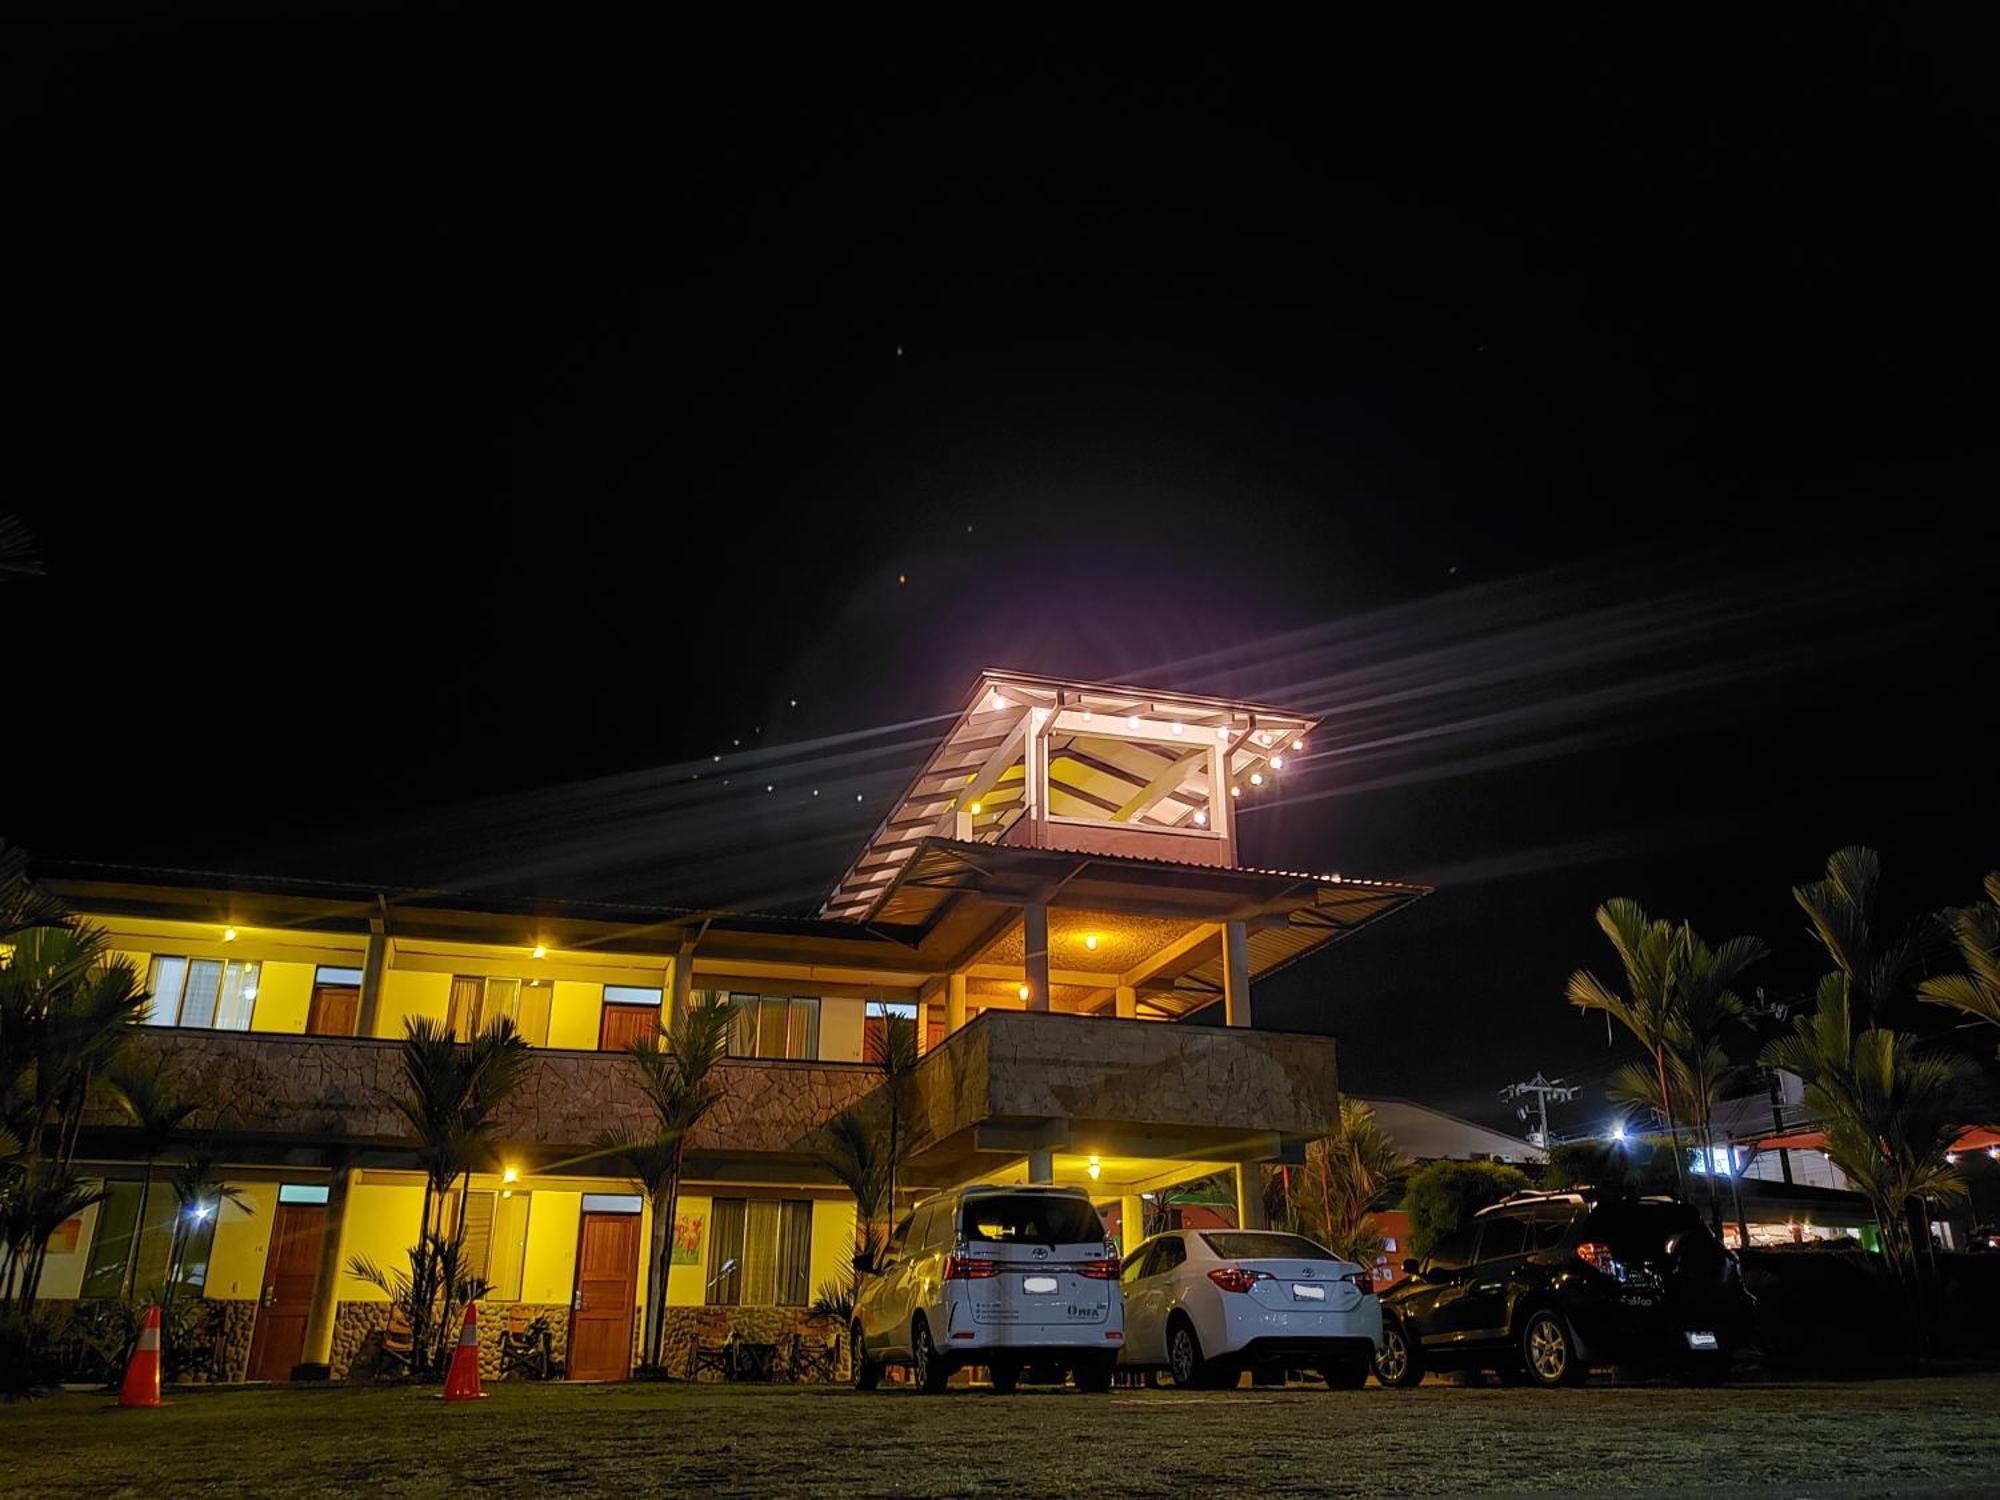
(367, 1022)
(317, 1351)
(1127, 1003)
(954, 1003)
(1235, 974)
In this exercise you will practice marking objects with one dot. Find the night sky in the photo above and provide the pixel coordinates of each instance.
(446, 435)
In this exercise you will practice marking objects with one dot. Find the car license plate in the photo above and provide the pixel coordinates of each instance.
(1309, 1293)
(1039, 1286)
(1700, 1340)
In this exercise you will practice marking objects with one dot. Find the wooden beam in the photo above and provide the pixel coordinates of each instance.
(1167, 781)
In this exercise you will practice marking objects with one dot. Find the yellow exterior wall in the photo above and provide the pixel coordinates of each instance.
(284, 995)
(383, 1220)
(841, 1022)
(574, 1015)
(548, 1271)
(411, 992)
(242, 1236)
(686, 1285)
(833, 1243)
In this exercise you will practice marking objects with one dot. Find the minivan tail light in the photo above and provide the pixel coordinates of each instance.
(1099, 1270)
(1235, 1278)
(965, 1268)
(1598, 1257)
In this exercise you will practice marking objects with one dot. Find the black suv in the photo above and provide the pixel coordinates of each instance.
(1547, 1284)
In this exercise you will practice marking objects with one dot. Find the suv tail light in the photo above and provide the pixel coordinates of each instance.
(1598, 1257)
(1235, 1278)
(1099, 1270)
(964, 1268)
(1362, 1281)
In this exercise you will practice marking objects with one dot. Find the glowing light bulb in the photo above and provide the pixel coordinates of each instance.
(1618, 1131)
(1178, 726)
(1090, 941)
(229, 934)
(540, 951)
(1298, 744)
(1093, 1169)
(1132, 721)
(1201, 819)
(1951, 1158)
(1236, 791)
(974, 809)
(994, 700)
(1256, 778)
(1277, 762)
(1222, 732)
(1023, 992)
(1088, 716)
(511, 1174)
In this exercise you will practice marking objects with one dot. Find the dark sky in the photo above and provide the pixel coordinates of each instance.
(445, 434)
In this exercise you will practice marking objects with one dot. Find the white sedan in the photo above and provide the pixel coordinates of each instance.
(1207, 1304)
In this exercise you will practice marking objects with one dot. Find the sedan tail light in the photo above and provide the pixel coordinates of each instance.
(1598, 1257)
(1235, 1278)
(964, 1268)
(1098, 1270)
(1362, 1281)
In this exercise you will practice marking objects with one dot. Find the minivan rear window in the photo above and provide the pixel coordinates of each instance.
(1030, 1218)
(1252, 1244)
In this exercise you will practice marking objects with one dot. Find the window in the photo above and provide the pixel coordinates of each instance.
(1454, 1251)
(206, 992)
(875, 1026)
(111, 1245)
(632, 994)
(766, 1245)
(1030, 1218)
(1504, 1237)
(476, 1002)
(776, 1026)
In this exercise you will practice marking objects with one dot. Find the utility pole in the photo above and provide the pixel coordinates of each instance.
(1543, 1090)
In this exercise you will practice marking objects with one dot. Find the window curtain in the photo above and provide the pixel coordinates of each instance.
(238, 998)
(463, 1015)
(475, 1255)
(760, 1253)
(503, 998)
(795, 1253)
(168, 976)
(771, 1026)
(743, 1026)
(204, 983)
(725, 1244)
(802, 1030)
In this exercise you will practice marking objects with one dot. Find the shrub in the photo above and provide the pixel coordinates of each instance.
(1446, 1194)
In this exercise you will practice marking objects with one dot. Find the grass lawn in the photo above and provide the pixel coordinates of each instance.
(1905, 1436)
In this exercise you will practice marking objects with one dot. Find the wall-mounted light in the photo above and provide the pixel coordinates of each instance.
(510, 1174)
(1094, 1169)
(1024, 992)
(540, 951)
(1090, 941)
(229, 934)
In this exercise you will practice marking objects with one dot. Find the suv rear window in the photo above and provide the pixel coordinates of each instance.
(1252, 1244)
(1640, 1229)
(1030, 1218)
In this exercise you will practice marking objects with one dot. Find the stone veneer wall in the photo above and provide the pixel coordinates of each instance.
(756, 1325)
(331, 1089)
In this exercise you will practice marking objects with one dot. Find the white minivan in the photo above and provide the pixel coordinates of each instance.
(1003, 1277)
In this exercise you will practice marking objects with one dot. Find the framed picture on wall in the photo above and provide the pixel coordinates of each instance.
(687, 1239)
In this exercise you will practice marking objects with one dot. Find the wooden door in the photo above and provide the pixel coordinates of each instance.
(622, 1025)
(291, 1266)
(334, 1010)
(600, 1320)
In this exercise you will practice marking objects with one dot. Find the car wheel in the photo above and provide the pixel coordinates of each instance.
(1345, 1374)
(867, 1372)
(1548, 1353)
(1093, 1375)
(1396, 1362)
(1004, 1375)
(931, 1372)
(1184, 1362)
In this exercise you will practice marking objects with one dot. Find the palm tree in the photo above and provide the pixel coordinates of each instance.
(895, 1056)
(1344, 1177)
(156, 1116)
(1706, 1009)
(199, 1193)
(849, 1150)
(1841, 909)
(676, 1075)
(1976, 930)
(1649, 951)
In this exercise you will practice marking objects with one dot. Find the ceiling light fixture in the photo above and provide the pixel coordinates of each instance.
(229, 934)
(540, 951)
(1090, 941)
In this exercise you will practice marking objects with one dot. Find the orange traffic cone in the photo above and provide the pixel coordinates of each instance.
(462, 1383)
(142, 1375)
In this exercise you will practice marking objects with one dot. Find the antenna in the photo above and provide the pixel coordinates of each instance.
(1543, 1090)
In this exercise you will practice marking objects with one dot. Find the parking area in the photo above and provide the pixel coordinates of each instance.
(1931, 1436)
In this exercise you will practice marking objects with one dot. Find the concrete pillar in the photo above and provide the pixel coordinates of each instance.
(1127, 1002)
(372, 962)
(683, 993)
(954, 1003)
(1035, 934)
(318, 1347)
(1250, 1197)
(1042, 1166)
(1131, 1222)
(1235, 974)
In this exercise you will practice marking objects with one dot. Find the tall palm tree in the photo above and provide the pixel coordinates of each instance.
(199, 1193)
(156, 1116)
(677, 1076)
(1344, 1177)
(1841, 909)
(895, 1057)
(1706, 1011)
(849, 1149)
(1649, 952)
(1976, 930)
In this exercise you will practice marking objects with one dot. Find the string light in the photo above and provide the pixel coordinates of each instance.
(1277, 762)
(1201, 818)
(1132, 722)
(1256, 778)
(1298, 744)
(1222, 733)
(1178, 726)
(1236, 791)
